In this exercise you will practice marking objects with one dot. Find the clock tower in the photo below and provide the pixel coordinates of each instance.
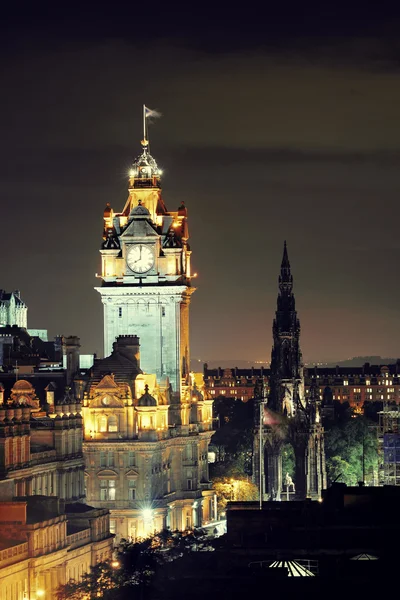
(146, 277)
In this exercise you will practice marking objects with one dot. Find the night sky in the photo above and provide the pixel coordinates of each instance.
(276, 126)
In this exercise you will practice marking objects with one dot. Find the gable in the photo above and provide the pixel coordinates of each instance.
(107, 474)
(139, 228)
(107, 383)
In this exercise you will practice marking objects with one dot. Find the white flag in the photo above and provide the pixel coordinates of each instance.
(148, 112)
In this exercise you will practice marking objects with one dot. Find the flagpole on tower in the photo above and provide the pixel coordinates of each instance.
(144, 123)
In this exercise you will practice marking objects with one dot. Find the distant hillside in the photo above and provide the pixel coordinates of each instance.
(358, 361)
(197, 365)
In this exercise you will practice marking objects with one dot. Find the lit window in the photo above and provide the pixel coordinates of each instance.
(132, 490)
(107, 489)
(103, 423)
(112, 525)
(345, 382)
(112, 423)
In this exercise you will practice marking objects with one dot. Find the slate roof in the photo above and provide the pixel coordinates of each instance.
(123, 369)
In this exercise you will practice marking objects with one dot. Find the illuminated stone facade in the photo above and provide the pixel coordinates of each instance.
(146, 276)
(13, 311)
(47, 534)
(356, 385)
(146, 459)
(148, 420)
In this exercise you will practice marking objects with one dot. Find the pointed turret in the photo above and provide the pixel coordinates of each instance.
(286, 317)
(286, 361)
(285, 278)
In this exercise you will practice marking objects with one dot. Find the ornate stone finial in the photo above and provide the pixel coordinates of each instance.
(146, 389)
(140, 202)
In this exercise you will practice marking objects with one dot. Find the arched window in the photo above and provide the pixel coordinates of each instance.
(112, 423)
(103, 423)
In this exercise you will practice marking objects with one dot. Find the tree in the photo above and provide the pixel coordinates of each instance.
(101, 582)
(231, 483)
(234, 438)
(352, 451)
(135, 566)
(288, 460)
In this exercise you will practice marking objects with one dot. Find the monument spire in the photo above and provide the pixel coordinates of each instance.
(285, 278)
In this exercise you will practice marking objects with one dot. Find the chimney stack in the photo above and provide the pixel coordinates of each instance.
(72, 345)
(129, 346)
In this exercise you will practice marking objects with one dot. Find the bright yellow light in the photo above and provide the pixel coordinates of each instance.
(40, 593)
(132, 173)
(147, 514)
(115, 564)
(160, 171)
(194, 275)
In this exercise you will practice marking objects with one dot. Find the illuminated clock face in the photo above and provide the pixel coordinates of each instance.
(140, 258)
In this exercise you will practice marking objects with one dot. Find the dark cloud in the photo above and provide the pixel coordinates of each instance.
(296, 141)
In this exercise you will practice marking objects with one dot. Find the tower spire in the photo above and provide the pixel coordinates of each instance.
(285, 278)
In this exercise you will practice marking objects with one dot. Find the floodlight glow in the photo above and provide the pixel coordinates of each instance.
(132, 173)
(40, 593)
(147, 514)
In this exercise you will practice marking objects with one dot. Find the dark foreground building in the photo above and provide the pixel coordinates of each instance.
(344, 546)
